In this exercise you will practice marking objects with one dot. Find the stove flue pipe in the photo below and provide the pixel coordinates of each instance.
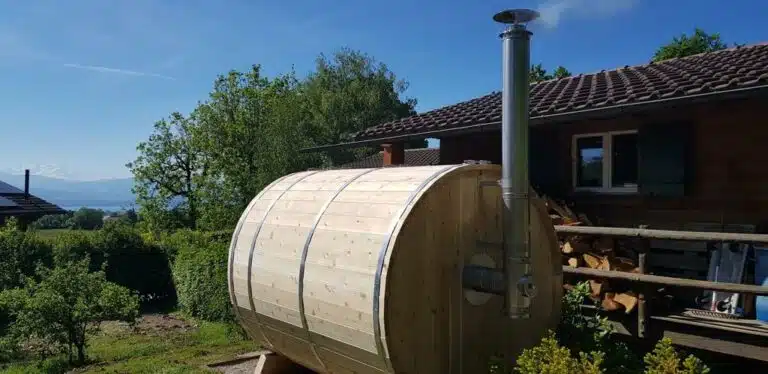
(520, 288)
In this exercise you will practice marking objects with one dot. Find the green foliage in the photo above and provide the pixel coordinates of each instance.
(20, 253)
(127, 258)
(587, 331)
(551, 358)
(201, 170)
(166, 173)
(583, 344)
(347, 93)
(665, 360)
(685, 45)
(538, 73)
(64, 305)
(53, 221)
(200, 274)
(87, 219)
(134, 263)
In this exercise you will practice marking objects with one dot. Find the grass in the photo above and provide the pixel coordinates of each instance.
(51, 234)
(120, 350)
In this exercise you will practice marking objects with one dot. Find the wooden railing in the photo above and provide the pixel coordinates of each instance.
(644, 280)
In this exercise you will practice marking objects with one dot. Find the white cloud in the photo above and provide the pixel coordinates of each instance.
(104, 69)
(554, 10)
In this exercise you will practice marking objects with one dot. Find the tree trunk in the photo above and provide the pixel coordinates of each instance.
(81, 353)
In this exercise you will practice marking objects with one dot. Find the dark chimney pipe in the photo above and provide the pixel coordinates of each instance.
(26, 184)
(520, 288)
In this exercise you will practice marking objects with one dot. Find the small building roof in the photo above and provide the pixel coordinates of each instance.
(13, 202)
(742, 70)
(413, 157)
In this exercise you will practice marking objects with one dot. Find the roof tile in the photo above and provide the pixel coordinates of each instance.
(711, 72)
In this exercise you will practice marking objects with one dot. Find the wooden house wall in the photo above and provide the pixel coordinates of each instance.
(726, 170)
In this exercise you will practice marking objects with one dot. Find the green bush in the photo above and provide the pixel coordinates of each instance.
(584, 344)
(135, 263)
(20, 253)
(88, 219)
(131, 261)
(56, 313)
(200, 275)
(551, 358)
(665, 360)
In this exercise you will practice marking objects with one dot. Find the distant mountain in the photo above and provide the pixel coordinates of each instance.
(72, 193)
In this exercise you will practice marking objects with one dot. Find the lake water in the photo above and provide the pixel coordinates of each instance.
(109, 208)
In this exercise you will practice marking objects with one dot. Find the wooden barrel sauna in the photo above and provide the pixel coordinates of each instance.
(359, 270)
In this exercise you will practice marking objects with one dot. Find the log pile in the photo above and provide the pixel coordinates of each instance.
(596, 252)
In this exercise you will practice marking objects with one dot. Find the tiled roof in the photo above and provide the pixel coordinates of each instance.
(713, 72)
(413, 157)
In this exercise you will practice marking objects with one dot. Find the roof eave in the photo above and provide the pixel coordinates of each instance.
(555, 118)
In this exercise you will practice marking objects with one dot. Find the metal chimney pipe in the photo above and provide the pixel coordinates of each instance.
(26, 184)
(520, 288)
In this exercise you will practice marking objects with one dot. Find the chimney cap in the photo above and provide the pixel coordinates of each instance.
(516, 16)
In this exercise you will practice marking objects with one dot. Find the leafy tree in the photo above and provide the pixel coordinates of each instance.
(88, 219)
(67, 303)
(685, 45)
(561, 72)
(346, 94)
(251, 129)
(166, 171)
(538, 73)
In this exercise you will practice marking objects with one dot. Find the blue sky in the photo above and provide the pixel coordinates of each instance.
(84, 80)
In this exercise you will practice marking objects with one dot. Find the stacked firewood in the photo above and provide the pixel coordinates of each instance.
(596, 252)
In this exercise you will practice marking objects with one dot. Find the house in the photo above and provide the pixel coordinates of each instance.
(26, 207)
(661, 144)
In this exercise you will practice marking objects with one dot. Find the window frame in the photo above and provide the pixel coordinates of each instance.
(607, 137)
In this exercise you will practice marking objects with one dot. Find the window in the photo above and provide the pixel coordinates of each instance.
(605, 162)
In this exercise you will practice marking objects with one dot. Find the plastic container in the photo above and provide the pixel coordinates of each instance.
(761, 278)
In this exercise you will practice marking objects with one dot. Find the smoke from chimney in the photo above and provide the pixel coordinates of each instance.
(554, 10)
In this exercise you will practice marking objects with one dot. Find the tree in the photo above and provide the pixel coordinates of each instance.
(66, 304)
(167, 169)
(348, 93)
(251, 128)
(88, 219)
(685, 45)
(538, 73)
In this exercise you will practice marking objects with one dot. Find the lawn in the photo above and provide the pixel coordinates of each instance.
(158, 344)
(51, 234)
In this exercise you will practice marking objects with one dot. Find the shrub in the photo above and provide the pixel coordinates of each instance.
(200, 274)
(665, 360)
(135, 263)
(551, 358)
(130, 260)
(186, 238)
(588, 337)
(88, 219)
(20, 253)
(64, 305)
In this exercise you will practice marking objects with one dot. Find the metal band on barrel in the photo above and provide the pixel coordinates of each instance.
(383, 255)
(253, 246)
(305, 252)
(233, 247)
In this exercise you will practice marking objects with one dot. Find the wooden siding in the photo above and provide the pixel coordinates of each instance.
(728, 180)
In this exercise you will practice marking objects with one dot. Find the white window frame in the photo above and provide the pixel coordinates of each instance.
(607, 163)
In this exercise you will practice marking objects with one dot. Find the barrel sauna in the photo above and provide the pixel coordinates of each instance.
(359, 270)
